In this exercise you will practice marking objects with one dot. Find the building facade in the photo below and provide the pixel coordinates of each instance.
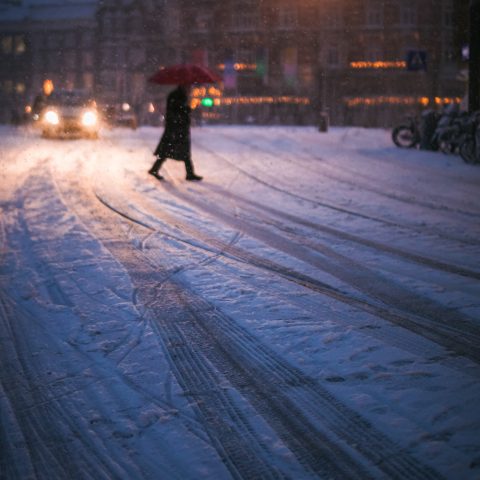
(366, 62)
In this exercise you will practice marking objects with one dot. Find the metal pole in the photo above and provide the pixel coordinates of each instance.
(474, 57)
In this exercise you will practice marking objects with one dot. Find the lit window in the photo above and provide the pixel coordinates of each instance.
(20, 88)
(7, 43)
(20, 46)
(7, 86)
(88, 81)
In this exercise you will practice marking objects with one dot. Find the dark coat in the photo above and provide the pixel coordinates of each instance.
(175, 141)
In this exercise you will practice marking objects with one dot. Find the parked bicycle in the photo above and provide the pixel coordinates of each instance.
(451, 133)
(469, 149)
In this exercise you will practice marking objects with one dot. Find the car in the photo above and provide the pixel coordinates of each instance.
(121, 116)
(70, 113)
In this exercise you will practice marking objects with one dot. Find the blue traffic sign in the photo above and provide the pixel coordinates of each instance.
(416, 60)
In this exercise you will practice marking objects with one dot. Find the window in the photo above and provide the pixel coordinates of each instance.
(202, 21)
(108, 23)
(136, 57)
(335, 17)
(88, 81)
(246, 18)
(7, 86)
(7, 43)
(174, 22)
(287, 16)
(333, 57)
(70, 40)
(119, 56)
(374, 14)
(374, 54)
(448, 17)
(245, 55)
(19, 45)
(408, 15)
(20, 88)
(136, 22)
(53, 40)
(449, 54)
(70, 60)
(87, 59)
(87, 39)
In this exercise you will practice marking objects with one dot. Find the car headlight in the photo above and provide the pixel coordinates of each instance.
(52, 117)
(89, 119)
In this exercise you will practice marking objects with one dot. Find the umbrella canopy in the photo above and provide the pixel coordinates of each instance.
(185, 74)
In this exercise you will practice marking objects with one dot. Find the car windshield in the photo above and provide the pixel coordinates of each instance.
(70, 99)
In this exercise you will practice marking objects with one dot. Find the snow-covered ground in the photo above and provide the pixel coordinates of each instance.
(310, 310)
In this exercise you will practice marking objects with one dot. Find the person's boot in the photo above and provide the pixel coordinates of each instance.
(155, 174)
(189, 168)
(193, 177)
(155, 167)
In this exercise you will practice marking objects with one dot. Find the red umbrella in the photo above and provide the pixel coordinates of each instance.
(185, 74)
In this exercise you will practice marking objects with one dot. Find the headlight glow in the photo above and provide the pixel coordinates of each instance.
(52, 117)
(89, 119)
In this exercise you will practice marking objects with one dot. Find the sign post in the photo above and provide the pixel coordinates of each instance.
(474, 58)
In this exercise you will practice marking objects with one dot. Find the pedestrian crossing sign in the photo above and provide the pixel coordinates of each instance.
(416, 60)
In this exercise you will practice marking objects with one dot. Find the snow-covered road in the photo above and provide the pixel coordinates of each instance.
(310, 310)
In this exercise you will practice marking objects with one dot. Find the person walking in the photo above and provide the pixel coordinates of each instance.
(175, 142)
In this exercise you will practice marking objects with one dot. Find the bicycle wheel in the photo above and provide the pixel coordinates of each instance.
(404, 137)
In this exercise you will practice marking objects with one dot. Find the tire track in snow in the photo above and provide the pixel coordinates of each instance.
(48, 455)
(341, 178)
(250, 365)
(463, 341)
(313, 447)
(337, 208)
(229, 429)
(413, 311)
(59, 441)
(419, 259)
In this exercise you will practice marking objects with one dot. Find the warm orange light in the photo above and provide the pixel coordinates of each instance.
(203, 92)
(379, 64)
(239, 66)
(397, 100)
(194, 103)
(262, 100)
(47, 87)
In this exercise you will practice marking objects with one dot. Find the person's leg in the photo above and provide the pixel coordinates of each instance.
(189, 168)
